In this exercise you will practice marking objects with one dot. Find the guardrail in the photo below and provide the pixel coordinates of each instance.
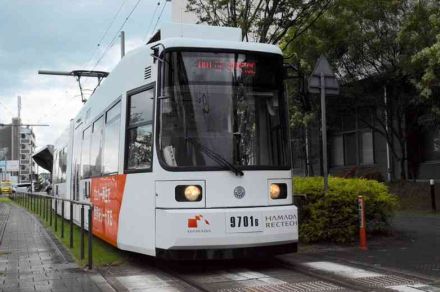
(46, 207)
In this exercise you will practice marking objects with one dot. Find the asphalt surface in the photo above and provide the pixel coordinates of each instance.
(412, 248)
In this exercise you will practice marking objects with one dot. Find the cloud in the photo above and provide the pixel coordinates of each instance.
(59, 35)
(54, 100)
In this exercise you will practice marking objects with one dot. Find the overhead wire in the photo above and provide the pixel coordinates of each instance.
(106, 31)
(151, 22)
(112, 42)
(160, 15)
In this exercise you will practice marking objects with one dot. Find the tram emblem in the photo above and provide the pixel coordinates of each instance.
(239, 192)
(193, 222)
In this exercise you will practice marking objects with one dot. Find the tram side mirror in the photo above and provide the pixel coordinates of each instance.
(272, 105)
(166, 106)
(270, 97)
(155, 54)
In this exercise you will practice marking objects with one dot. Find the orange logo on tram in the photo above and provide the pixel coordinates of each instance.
(193, 221)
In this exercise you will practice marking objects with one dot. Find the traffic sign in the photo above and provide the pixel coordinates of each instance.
(323, 81)
(322, 67)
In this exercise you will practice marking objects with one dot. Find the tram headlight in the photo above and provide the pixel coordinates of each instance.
(278, 191)
(191, 193)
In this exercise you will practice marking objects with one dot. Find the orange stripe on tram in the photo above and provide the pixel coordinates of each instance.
(106, 196)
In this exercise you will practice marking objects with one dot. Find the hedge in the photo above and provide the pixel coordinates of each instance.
(334, 216)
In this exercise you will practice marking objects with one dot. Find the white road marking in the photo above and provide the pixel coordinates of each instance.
(235, 275)
(342, 270)
(145, 281)
(413, 288)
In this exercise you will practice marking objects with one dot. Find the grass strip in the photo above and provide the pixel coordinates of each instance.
(5, 200)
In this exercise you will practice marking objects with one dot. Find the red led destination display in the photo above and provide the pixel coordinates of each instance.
(247, 68)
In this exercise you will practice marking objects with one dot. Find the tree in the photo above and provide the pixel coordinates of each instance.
(265, 21)
(371, 40)
(422, 32)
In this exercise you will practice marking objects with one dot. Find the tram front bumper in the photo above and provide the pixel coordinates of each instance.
(226, 228)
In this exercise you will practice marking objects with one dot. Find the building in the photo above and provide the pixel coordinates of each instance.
(17, 145)
(9, 151)
(357, 142)
(27, 149)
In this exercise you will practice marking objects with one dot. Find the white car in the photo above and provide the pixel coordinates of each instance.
(21, 187)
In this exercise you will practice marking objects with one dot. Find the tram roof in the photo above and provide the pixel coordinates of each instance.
(218, 44)
(195, 37)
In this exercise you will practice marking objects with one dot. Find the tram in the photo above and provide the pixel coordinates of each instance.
(183, 150)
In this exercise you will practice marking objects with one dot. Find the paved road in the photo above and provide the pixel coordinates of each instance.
(414, 247)
(293, 272)
(30, 260)
(406, 261)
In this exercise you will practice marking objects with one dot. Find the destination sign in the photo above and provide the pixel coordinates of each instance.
(247, 68)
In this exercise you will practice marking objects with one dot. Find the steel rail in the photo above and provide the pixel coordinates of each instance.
(331, 278)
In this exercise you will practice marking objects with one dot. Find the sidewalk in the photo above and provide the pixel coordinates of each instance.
(414, 248)
(30, 259)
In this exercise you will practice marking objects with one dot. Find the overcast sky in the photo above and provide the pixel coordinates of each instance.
(62, 35)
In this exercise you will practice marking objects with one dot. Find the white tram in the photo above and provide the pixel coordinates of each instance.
(183, 149)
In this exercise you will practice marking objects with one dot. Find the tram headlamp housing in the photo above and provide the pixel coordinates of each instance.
(188, 193)
(278, 191)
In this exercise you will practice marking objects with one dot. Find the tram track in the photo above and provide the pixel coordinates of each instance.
(216, 280)
(180, 277)
(281, 274)
(342, 282)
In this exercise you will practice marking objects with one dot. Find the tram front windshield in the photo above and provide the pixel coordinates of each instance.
(222, 108)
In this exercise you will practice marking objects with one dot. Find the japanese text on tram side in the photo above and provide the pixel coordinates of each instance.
(103, 216)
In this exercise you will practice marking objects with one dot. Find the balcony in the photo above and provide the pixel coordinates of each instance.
(25, 141)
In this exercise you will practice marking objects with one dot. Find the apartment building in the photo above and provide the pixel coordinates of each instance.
(27, 149)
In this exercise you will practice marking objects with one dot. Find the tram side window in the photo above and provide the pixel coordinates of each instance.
(61, 165)
(85, 153)
(111, 142)
(96, 147)
(140, 130)
(55, 166)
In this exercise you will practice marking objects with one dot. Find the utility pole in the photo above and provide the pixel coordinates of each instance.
(19, 107)
(18, 135)
(387, 125)
(122, 44)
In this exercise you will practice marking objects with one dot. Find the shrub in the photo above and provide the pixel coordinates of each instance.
(334, 216)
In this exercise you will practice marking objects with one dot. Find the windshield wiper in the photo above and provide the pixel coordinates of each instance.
(216, 157)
